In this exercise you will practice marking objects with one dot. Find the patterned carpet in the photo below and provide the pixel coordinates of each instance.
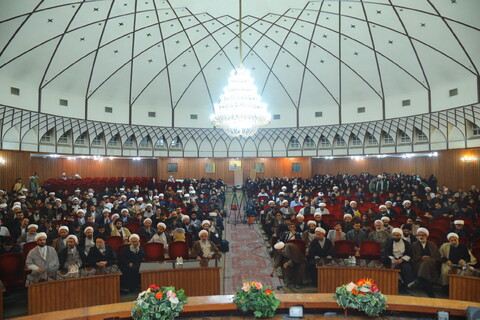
(248, 258)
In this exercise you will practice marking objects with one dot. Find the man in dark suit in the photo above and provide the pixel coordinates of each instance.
(292, 261)
(320, 247)
(399, 253)
(71, 254)
(101, 254)
(130, 261)
(357, 235)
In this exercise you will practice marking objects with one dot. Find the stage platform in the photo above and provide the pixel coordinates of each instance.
(223, 304)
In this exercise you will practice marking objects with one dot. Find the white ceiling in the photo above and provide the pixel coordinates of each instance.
(174, 57)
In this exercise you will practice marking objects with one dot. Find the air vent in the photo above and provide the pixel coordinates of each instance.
(405, 103)
(15, 91)
(152, 114)
(194, 116)
(63, 102)
(361, 110)
(453, 92)
(318, 114)
(108, 109)
(276, 117)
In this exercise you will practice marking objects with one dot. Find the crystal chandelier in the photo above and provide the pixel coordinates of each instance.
(240, 111)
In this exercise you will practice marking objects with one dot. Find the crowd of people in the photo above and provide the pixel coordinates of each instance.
(423, 229)
(72, 229)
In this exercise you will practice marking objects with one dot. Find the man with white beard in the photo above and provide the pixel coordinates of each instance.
(426, 261)
(205, 249)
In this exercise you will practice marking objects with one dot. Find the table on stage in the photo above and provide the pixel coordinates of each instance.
(59, 290)
(2, 290)
(333, 273)
(464, 284)
(190, 276)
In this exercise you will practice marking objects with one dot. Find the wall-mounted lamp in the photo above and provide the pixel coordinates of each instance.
(468, 159)
(2, 161)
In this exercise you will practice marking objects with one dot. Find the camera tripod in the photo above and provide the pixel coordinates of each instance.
(236, 208)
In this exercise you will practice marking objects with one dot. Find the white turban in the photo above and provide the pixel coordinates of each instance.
(322, 204)
(279, 245)
(347, 215)
(212, 214)
(161, 224)
(134, 236)
(385, 219)
(115, 215)
(185, 217)
(52, 193)
(317, 214)
(140, 199)
(382, 207)
(131, 199)
(64, 228)
(320, 194)
(135, 191)
(205, 222)
(270, 202)
(58, 199)
(451, 234)
(87, 228)
(353, 202)
(300, 216)
(146, 220)
(335, 188)
(203, 232)
(398, 230)
(284, 188)
(124, 209)
(149, 205)
(74, 237)
(406, 201)
(311, 222)
(161, 195)
(320, 229)
(32, 226)
(39, 235)
(285, 201)
(423, 230)
(81, 211)
(388, 202)
(460, 222)
(22, 197)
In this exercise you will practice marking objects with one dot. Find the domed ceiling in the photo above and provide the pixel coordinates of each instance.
(165, 63)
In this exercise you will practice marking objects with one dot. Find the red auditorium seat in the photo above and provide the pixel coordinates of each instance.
(178, 249)
(120, 250)
(344, 248)
(299, 243)
(154, 251)
(27, 247)
(370, 249)
(435, 239)
(114, 242)
(12, 270)
(297, 209)
(133, 227)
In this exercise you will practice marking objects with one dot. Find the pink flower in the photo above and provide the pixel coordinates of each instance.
(246, 286)
(374, 288)
(258, 285)
(171, 294)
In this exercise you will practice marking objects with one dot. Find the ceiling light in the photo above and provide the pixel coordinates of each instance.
(240, 112)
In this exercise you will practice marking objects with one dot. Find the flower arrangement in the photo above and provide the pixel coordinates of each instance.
(254, 296)
(158, 303)
(363, 295)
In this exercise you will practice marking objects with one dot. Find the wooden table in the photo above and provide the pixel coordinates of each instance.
(335, 274)
(2, 290)
(464, 285)
(193, 279)
(60, 293)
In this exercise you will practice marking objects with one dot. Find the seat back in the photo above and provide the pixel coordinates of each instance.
(114, 242)
(344, 248)
(133, 227)
(189, 239)
(27, 247)
(299, 243)
(154, 251)
(370, 249)
(178, 249)
(12, 269)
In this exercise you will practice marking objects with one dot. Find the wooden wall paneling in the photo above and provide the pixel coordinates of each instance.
(194, 281)
(17, 165)
(461, 288)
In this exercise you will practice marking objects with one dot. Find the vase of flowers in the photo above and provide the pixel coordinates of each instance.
(158, 303)
(363, 295)
(254, 296)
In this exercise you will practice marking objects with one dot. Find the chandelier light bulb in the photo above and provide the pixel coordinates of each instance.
(240, 112)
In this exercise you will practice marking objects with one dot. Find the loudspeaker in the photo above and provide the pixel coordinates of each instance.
(473, 313)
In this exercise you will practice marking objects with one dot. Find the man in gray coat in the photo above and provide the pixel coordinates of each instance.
(426, 262)
(42, 258)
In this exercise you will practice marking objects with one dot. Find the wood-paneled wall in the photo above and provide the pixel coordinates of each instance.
(447, 167)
